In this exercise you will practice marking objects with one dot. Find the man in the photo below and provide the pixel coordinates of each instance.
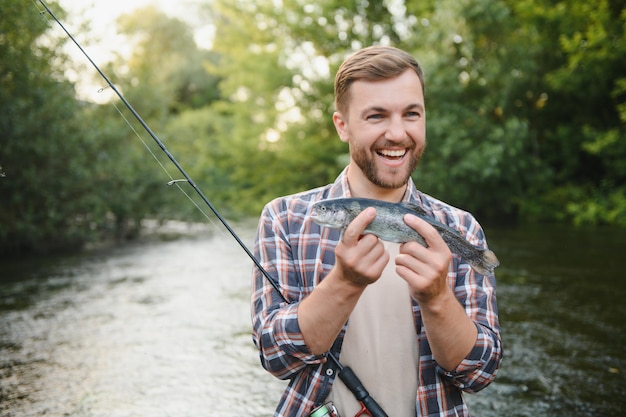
(416, 324)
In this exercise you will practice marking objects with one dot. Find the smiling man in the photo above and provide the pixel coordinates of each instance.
(417, 324)
(386, 130)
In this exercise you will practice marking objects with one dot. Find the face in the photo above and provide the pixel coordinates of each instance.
(385, 126)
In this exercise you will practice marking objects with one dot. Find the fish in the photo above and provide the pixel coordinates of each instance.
(389, 225)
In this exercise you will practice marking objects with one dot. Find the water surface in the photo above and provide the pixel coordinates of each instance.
(561, 295)
(162, 328)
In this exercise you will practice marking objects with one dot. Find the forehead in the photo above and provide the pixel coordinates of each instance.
(398, 91)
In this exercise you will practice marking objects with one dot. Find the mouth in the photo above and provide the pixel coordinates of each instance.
(392, 154)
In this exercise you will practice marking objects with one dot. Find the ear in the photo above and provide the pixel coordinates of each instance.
(341, 126)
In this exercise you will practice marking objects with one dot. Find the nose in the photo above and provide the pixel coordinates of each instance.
(396, 131)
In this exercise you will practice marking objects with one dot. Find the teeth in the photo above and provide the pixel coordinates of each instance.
(393, 154)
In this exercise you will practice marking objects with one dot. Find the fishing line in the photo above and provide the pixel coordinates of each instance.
(161, 145)
(172, 181)
(345, 373)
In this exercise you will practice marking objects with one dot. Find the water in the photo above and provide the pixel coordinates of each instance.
(161, 328)
(152, 329)
(561, 295)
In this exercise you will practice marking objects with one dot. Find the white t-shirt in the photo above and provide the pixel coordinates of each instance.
(380, 345)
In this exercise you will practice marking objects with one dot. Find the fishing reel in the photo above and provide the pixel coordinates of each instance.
(325, 410)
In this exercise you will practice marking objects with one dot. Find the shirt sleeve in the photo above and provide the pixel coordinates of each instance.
(276, 331)
(479, 368)
(477, 294)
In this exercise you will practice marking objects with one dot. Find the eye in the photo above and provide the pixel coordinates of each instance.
(376, 116)
(413, 115)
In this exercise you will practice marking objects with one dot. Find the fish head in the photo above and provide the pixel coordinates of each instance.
(330, 214)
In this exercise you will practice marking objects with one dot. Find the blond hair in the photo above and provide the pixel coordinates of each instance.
(373, 63)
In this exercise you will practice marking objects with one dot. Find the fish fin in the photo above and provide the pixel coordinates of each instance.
(487, 263)
(414, 207)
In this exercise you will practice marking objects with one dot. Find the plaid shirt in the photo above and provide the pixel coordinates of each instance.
(298, 254)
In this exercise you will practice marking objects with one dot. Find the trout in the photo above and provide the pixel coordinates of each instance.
(389, 225)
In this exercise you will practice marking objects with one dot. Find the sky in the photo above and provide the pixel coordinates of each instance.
(102, 14)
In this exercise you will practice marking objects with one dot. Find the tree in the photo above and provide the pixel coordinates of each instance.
(68, 178)
(577, 123)
(166, 80)
(166, 71)
(472, 60)
(38, 132)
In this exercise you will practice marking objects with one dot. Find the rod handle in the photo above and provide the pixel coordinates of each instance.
(349, 378)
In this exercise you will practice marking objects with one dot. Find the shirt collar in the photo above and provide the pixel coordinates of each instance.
(341, 188)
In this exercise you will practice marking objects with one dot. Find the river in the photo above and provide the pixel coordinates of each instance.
(161, 327)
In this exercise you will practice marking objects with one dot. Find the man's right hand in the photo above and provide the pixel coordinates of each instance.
(360, 259)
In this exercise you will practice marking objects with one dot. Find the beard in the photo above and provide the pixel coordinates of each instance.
(399, 177)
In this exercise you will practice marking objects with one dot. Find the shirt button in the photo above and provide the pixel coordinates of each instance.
(329, 372)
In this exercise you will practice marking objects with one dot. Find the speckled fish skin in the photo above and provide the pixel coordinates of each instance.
(389, 225)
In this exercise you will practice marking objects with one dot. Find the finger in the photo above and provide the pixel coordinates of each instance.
(432, 260)
(373, 254)
(362, 263)
(414, 257)
(428, 232)
(357, 226)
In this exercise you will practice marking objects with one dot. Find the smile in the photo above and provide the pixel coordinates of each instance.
(392, 154)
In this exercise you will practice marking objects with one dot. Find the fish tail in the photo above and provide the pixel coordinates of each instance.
(486, 263)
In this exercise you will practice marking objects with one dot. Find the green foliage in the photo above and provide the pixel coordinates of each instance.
(579, 132)
(270, 104)
(69, 175)
(580, 205)
(166, 72)
(480, 154)
(37, 130)
(526, 112)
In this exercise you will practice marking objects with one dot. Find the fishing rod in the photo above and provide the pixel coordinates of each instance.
(345, 373)
(161, 145)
